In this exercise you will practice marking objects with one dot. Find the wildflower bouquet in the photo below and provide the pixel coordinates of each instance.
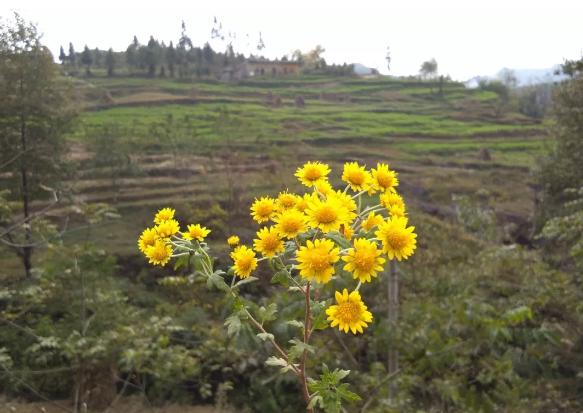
(307, 239)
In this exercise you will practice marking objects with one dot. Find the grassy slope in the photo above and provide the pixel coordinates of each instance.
(433, 143)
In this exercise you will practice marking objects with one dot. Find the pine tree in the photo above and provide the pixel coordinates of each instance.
(171, 58)
(87, 59)
(36, 111)
(62, 56)
(110, 62)
(97, 57)
(72, 57)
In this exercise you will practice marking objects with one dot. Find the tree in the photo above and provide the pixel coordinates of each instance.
(298, 56)
(314, 56)
(132, 53)
(151, 55)
(184, 43)
(87, 59)
(97, 57)
(260, 44)
(388, 59)
(72, 57)
(62, 56)
(171, 58)
(561, 167)
(428, 69)
(508, 78)
(499, 104)
(110, 62)
(36, 110)
(208, 53)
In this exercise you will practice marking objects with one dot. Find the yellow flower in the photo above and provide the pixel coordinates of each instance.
(164, 215)
(316, 260)
(159, 253)
(286, 201)
(268, 243)
(245, 261)
(388, 199)
(167, 228)
(356, 177)
(350, 313)
(312, 173)
(384, 179)
(348, 232)
(196, 232)
(263, 209)
(398, 240)
(346, 201)
(323, 188)
(233, 241)
(327, 215)
(397, 210)
(371, 221)
(290, 222)
(364, 261)
(147, 239)
(302, 203)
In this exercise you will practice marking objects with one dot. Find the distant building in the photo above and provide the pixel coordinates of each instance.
(254, 67)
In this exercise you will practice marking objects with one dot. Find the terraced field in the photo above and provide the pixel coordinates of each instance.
(432, 142)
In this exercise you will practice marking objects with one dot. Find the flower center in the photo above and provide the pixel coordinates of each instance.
(270, 242)
(264, 210)
(244, 263)
(385, 180)
(364, 260)
(287, 201)
(291, 225)
(326, 214)
(356, 177)
(312, 173)
(160, 253)
(398, 239)
(320, 261)
(348, 312)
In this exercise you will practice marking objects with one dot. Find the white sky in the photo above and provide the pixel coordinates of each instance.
(467, 39)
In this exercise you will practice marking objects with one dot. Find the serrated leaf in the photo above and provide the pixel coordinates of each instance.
(238, 303)
(346, 394)
(276, 361)
(320, 322)
(338, 239)
(295, 323)
(219, 281)
(315, 399)
(246, 281)
(298, 348)
(234, 324)
(268, 314)
(265, 336)
(180, 262)
(281, 277)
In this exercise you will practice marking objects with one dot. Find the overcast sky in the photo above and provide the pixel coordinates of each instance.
(466, 40)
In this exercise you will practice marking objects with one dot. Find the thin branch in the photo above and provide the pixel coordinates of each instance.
(46, 371)
(15, 157)
(303, 376)
(32, 216)
(19, 328)
(345, 348)
(33, 390)
(122, 391)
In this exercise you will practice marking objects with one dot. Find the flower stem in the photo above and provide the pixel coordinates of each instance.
(358, 286)
(303, 376)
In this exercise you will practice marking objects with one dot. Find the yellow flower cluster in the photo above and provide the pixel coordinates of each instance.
(325, 229)
(326, 211)
(156, 243)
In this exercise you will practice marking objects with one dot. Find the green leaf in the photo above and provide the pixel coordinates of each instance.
(295, 323)
(338, 239)
(315, 399)
(304, 236)
(347, 395)
(246, 281)
(268, 314)
(276, 361)
(218, 281)
(320, 322)
(238, 303)
(265, 336)
(298, 348)
(281, 277)
(234, 323)
(181, 261)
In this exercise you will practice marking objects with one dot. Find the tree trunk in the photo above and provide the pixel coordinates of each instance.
(27, 251)
(393, 356)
